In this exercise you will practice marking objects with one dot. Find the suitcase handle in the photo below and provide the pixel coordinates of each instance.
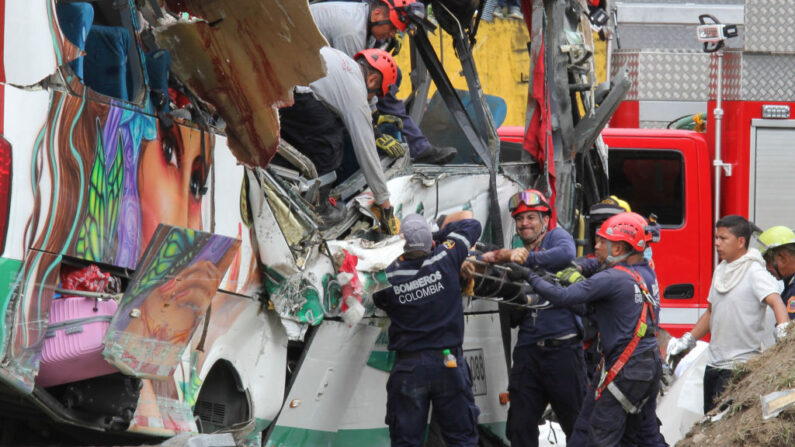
(87, 294)
(68, 324)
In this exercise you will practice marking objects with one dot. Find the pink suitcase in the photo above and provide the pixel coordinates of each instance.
(73, 344)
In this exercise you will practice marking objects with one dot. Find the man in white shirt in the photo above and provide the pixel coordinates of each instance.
(742, 290)
(340, 101)
(353, 26)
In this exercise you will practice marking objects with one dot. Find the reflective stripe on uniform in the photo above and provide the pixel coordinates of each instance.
(460, 238)
(439, 256)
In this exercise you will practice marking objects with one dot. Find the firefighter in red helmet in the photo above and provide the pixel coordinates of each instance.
(623, 293)
(548, 364)
(325, 109)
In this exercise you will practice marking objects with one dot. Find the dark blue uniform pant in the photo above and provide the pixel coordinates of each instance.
(606, 423)
(541, 376)
(389, 104)
(420, 380)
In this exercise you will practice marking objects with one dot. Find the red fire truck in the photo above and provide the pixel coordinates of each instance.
(678, 174)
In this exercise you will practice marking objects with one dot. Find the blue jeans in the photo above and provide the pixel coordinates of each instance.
(420, 380)
(391, 105)
(503, 3)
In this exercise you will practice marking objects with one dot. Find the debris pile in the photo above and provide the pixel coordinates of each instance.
(743, 424)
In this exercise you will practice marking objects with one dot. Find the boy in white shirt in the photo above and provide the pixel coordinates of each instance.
(742, 289)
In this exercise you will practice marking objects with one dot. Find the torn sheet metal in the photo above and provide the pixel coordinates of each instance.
(30, 35)
(373, 256)
(283, 230)
(166, 300)
(325, 385)
(245, 57)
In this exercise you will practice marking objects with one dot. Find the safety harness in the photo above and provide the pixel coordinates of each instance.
(606, 382)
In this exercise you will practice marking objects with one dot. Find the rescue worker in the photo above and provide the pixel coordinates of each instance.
(625, 300)
(778, 249)
(339, 101)
(648, 434)
(427, 332)
(597, 215)
(738, 299)
(353, 26)
(548, 364)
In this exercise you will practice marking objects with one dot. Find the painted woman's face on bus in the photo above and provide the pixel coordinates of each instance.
(172, 178)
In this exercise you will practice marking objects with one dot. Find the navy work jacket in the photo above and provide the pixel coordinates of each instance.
(424, 299)
(617, 303)
(554, 253)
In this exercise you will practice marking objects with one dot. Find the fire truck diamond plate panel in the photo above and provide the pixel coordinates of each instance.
(628, 59)
(755, 77)
(769, 26)
(768, 78)
(673, 76)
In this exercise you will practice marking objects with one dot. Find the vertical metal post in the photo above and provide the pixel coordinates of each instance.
(718, 162)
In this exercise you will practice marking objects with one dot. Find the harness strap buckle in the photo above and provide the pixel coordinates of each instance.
(624, 401)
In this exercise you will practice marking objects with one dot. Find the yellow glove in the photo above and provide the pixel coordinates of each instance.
(468, 287)
(390, 146)
(389, 119)
(569, 275)
(386, 217)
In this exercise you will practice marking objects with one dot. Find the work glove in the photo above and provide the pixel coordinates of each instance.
(534, 300)
(389, 224)
(519, 255)
(489, 256)
(678, 347)
(383, 118)
(468, 269)
(781, 331)
(517, 272)
(569, 275)
(390, 146)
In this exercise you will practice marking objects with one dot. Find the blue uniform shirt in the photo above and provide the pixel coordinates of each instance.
(554, 253)
(424, 300)
(617, 303)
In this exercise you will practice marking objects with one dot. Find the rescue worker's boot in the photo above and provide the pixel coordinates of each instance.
(436, 155)
(331, 212)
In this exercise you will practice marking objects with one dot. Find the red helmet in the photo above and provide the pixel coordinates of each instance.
(398, 12)
(528, 200)
(626, 227)
(383, 62)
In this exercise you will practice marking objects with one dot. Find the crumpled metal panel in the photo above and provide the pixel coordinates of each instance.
(755, 77)
(769, 25)
(245, 57)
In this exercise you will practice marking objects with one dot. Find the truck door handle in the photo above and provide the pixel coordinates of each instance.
(679, 291)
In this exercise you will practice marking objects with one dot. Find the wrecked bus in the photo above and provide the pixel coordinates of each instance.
(159, 278)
